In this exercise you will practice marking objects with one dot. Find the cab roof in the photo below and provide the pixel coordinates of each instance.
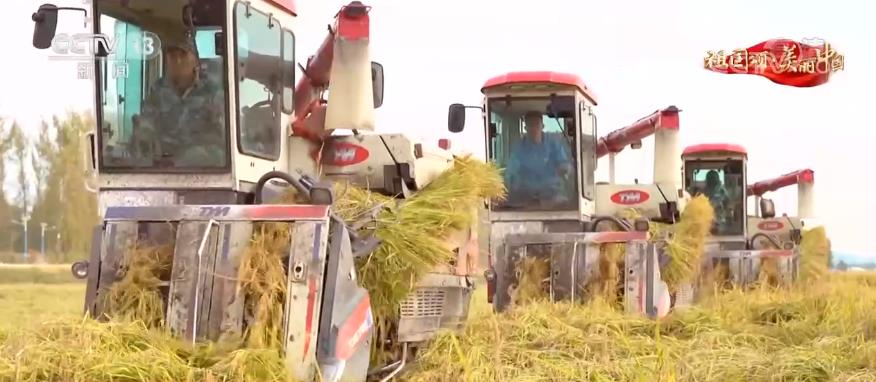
(288, 5)
(706, 148)
(556, 78)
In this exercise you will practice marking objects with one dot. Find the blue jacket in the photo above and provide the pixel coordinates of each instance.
(532, 167)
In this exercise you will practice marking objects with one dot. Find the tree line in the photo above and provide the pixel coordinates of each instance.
(48, 179)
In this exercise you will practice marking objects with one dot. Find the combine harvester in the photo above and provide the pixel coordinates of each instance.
(727, 165)
(732, 241)
(556, 218)
(258, 128)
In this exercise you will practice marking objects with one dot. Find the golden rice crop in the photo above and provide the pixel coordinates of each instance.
(815, 332)
(685, 244)
(814, 254)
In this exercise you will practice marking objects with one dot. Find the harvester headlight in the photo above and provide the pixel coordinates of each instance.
(788, 245)
(79, 269)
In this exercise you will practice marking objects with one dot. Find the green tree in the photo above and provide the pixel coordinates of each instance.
(63, 200)
(46, 208)
(78, 206)
(19, 155)
(5, 210)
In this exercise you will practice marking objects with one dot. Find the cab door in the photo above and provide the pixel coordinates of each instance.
(263, 66)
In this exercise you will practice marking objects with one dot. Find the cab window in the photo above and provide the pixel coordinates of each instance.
(722, 183)
(259, 55)
(535, 154)
(154, 115)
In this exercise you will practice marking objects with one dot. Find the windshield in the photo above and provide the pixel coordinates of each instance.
(721, 182)
(535, 154)
(162, 86)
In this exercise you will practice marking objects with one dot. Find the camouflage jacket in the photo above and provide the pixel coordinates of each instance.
(197, 118)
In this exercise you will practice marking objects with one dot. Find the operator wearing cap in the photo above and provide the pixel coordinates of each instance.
(537, 166)
(185, 114)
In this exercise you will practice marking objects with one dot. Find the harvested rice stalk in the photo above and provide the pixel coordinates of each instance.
(609, 284)
(137, 296)
(687, 241)
(604, 285)
(713, 281)
(263, 280)
(814, 254)
(414, 230)
(532, 274)
(769, 272)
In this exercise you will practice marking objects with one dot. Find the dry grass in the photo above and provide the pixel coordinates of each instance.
(23, 305)
(37, 274)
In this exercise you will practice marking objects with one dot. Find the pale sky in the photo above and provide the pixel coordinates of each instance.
(638, 56)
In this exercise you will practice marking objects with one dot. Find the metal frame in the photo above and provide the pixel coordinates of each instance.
(327, 321)
(745, 265)
(571, 271)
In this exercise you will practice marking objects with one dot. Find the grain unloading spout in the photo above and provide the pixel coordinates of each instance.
(805, 181)
(342, 66)
(664, 125)
(351, 103)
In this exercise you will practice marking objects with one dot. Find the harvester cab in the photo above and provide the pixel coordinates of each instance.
(199, 116)
(540, 129)
(719, 171)
(765, 229)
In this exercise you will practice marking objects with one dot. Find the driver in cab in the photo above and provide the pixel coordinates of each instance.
(717, 195)
(537, 165)
(715, 190)
(184, 115)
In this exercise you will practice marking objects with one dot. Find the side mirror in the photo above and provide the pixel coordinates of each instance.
(45, 24)
(377, 83)
(456, 118)
(767, 208)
